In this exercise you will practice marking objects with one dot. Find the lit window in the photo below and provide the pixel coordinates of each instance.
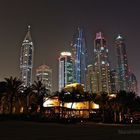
(102, 48)
(103, 62)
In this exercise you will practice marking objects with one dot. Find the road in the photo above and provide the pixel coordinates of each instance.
(20, 130)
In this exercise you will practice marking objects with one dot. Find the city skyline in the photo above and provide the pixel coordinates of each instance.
(54, 34)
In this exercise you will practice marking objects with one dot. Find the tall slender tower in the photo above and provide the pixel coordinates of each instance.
(113, 81)
(133, 87)
(26, 59)
(90, 79)
(79, 55)
(65, 69)
(122, 64)
(101, 65)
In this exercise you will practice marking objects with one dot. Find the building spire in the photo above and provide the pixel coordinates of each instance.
(119, 37)
(99, 35)
(29, 27)
(28, 35)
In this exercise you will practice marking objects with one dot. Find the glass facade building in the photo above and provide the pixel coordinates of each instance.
(122, 64)
(66, 73)
(90, 79)
(44, 74)
(133, 87)
(113, 80)
(79, 54)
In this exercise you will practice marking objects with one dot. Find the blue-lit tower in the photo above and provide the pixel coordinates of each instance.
(79, 55)
(26, 59)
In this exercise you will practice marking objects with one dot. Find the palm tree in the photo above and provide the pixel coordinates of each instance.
(13, 90)
(74, 96)
(136, 105)
(91, 99)
(62, 99)
(3, 97)
(114, 107)
(125, 101)
(39, 91)
(102, 100)
(2, 88)
(26, 97)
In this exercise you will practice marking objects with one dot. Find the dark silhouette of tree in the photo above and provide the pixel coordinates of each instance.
(39, 93)
(102, 100)
(3, 97)
(122, 104)
(125, 100)
(13, 90)
(2, 88)
(136, 104)
(27, 92)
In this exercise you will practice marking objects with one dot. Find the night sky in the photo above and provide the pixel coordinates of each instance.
(53, 23)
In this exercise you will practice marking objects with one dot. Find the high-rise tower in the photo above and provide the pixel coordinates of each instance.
(133, 87)
(113, 81)
(26, 59)
(44, 74)
(79, 55)
(101, 65)
(122, 64)
(65, 69)
(90, 79)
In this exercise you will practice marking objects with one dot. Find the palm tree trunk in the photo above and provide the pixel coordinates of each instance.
(103, 115)
(120, 116)
(115, 117)
(41, 105)
(11, 105)
(27, 103)
(89, 108)
(62, 109)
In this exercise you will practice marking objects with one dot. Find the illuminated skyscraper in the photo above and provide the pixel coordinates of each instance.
(79, 55)
(26, 59)
(132, 83)
(90, 79)
(101, 65)
(66, 74)
(44, 74)
(113, 81)
(122, 64)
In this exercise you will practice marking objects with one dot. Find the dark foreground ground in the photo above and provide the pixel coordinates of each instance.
(20, 130)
